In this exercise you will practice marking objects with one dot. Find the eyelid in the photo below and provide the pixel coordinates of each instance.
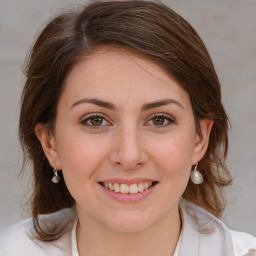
(96, 114)
(162, 114)
(170, 118)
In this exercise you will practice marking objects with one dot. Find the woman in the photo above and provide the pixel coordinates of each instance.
(122, 119)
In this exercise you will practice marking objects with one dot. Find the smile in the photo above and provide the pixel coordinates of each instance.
(128, 189)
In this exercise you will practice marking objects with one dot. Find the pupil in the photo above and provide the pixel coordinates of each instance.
(159, 120)
(97, 121)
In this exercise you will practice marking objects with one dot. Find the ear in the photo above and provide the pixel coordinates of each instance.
(202, 140)
(47, 140)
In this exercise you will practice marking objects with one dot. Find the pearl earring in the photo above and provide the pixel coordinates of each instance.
(196, 176)
(56, 177)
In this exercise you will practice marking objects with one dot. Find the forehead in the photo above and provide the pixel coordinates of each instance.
(115, 73)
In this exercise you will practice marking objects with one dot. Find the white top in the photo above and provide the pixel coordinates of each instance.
(75, 249)
(16, 242)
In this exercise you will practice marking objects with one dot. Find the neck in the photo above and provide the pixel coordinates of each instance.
(161, 238)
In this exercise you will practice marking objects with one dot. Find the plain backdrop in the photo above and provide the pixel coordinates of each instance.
(228, 29)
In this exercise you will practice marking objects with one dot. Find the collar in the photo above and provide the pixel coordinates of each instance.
(75, 249)
(74, 241)
(202, 234)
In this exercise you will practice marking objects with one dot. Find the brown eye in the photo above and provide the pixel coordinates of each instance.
(97, 121)
(159, 120)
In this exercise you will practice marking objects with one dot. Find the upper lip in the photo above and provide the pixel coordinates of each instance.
(127, 181)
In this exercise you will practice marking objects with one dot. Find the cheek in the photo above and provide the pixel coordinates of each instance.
(80, 157)
(80, 160)
(174, 156)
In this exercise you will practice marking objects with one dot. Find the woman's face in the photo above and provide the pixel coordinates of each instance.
(122, 122)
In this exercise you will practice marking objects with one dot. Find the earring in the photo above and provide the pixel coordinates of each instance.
(56, 177)
(196, 176)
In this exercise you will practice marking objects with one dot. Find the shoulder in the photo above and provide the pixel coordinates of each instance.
(18, 240)
(15, 240)
(243, 243)
(240, 243)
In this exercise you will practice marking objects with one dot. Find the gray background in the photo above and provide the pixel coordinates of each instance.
(228, 29)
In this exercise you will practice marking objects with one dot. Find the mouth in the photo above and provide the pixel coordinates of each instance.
(123, 188)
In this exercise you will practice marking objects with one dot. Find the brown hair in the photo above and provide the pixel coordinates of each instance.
(148, 28)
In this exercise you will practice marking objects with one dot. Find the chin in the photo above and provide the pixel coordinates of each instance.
(133, 222)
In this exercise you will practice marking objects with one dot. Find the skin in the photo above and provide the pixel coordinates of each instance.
(127, 143)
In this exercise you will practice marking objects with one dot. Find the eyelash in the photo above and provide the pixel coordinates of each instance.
(166, 117)
(100, 115)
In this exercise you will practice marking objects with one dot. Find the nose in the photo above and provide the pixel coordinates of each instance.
(128, 149)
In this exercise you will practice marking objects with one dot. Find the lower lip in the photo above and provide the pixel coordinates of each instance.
(129, 197)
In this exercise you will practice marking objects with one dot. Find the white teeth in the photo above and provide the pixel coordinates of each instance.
(133, 189)
(116, 187)
(110, 186)
(141, 187)
(125, 188)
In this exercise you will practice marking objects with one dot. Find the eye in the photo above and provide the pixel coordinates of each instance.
(161, 120)
(95, 121)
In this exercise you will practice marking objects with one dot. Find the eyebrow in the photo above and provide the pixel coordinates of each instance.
(111, 106)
